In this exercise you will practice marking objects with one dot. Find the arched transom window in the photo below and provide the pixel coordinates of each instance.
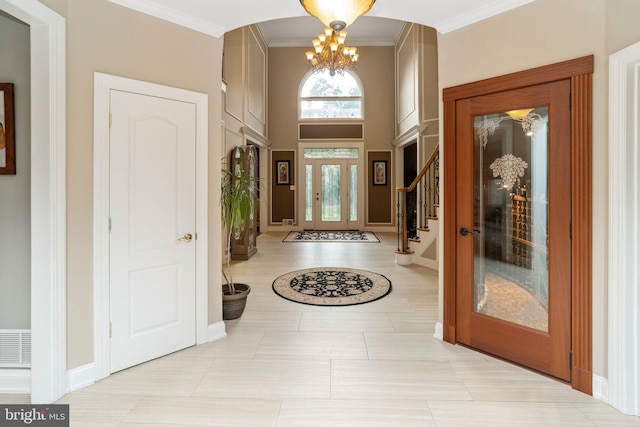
(326, 97)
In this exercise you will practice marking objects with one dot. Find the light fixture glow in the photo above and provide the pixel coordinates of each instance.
(337, 14)
(332, 54)
(519, 114)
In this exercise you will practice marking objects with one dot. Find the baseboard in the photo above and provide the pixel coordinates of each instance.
(15, 381)
(601, 388)
(276, 227)
(81, 377)
(437, 333)
(381, 229)
(216, 331)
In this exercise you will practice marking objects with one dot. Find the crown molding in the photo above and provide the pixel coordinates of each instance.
(172, 15)
(478, 15)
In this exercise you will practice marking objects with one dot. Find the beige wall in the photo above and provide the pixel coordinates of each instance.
(108, 38)
(287, 69)
(541, 33)
(15, 193)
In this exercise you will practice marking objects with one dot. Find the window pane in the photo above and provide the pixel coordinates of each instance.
(353, 192)
(325, 85)
(331, 109)
(330, 193)
(308, 178)
(330, 153)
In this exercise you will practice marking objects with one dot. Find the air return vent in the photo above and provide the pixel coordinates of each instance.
(15, 348)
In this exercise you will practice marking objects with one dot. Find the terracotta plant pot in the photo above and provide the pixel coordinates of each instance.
(233, 305)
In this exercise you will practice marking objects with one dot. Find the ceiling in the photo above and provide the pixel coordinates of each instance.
(365, 31)
(216, 17)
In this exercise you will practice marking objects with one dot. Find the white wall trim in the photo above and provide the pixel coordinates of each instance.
(601, 388)
(103, 84)
(15, 381)
(624, 231)
(48, 196)
(437, 333)
(81, 377)
(172, 15)
(477, 15)
(216, 331)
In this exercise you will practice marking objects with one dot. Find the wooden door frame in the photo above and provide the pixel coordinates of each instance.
(579, 71)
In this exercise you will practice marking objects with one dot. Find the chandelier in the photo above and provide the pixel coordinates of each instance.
(332, 54)
(330, 51)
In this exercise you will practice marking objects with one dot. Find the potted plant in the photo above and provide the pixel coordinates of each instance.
(238, 193)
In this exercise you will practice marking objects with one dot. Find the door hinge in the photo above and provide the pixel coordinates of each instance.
(570, 101)
(570, 359)
(570, 231)
(109, 224)
(110, 329)
(110, 119)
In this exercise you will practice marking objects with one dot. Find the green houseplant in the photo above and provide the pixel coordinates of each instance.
(237, 200)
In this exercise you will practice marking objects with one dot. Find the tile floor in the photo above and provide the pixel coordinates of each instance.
(290, 365)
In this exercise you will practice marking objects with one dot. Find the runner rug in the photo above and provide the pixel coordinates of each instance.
(332, 236)
(332, 286)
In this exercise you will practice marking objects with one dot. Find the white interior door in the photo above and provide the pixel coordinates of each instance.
(152, 214)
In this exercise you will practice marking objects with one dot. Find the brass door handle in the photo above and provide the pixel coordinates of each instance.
(186, 238)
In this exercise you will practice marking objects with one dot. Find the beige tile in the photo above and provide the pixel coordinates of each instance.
(605, 415)
(509, 391)
(376, 364)
(415, 322)
(345, 322)
(400, 346)
(196, 411)
(383, 379)
(266, 379)
(88, 407)
(237, 344)
(312, 345)
(144, 384)
(457, 414)
(15, 399)
(260, 321)
(369, 413)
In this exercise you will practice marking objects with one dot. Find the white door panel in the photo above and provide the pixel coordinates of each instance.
(152, 205)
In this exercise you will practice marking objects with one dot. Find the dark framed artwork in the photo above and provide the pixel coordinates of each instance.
(379, 172)
(7, 134)
(282, 172)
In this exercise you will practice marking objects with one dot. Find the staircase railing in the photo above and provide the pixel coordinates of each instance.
(426, 207)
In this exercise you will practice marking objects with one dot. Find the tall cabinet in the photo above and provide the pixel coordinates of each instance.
(243, 245)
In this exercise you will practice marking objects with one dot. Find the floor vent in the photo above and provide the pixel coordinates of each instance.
(15, 348)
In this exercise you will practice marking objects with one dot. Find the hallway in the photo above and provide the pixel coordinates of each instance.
(377, 364)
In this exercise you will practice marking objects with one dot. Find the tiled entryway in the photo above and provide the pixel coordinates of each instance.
(377, 364)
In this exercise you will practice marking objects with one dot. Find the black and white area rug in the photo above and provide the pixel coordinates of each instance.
(332, 236)
(332, 286)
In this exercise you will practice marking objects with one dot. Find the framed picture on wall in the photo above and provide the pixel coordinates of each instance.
(282, 172)
(7, 141)
(379, 172)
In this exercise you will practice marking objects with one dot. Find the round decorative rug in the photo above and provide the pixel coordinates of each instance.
(332, 286)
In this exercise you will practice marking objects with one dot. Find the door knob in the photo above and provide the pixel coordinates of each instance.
(464, 231)
(186, 238)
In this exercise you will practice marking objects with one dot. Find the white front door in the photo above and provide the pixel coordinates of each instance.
(331, 193)
(152, 215)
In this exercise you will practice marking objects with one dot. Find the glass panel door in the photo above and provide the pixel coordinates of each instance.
(331, 193)
(511, 273)
(513, 216)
